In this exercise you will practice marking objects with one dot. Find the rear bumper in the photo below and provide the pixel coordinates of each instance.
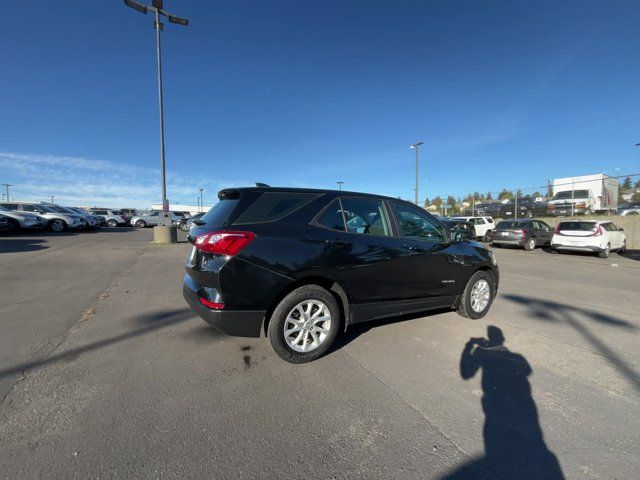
(239, 323)
(577, 248)
(515, 243)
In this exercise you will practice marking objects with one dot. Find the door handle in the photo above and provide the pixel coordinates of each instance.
(336, 242)
(415, 248)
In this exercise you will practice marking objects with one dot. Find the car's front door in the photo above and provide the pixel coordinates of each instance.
(543, 232)
(357, 247)
(435, 269)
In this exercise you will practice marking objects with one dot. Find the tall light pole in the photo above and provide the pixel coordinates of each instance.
(7, 185)
(340, 185)
(416, 147)
(52, 197)
(201, 205)
(157, 8)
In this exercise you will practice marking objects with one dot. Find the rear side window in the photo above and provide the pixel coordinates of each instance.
(10, 206)
(272, 206)
(584, 226)
(332, 217)
(366, 216)
(219, 213)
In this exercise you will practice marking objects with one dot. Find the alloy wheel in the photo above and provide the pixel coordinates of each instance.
(480, 295)
(307, 325)
(57, 226)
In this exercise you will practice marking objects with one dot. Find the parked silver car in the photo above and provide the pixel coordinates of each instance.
(151, 219)
(93, 221)
(23, 220)
(55, 221)
(632, 208)
(113, 217)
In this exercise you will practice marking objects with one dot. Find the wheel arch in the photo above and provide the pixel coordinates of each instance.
(328, 284)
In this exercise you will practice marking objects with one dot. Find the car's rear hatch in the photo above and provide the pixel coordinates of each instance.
(510, 231)
(578, 229)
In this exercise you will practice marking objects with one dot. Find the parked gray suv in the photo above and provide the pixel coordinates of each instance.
(55, 221)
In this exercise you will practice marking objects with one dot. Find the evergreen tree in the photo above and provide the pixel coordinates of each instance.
(505, 194)
(626, 185)
(489, 197)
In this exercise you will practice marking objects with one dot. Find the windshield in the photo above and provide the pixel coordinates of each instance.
(567, 194)
(47, 208)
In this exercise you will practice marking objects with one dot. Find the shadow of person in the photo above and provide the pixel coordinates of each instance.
(513, 440)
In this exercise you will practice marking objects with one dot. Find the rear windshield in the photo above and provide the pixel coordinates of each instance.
(219, 213)
(584, 226)
(567, 195)
(272, 206)
(510, 225)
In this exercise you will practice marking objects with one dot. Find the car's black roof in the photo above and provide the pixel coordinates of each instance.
(314, 190)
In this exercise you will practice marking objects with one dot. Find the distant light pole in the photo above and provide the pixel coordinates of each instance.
(52, 197)
(416, 147)
(340, 185)
(157, 8)
(7, 185)
(201, 205)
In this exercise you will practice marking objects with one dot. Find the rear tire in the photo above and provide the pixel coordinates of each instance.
(475, 303)
(293, 332)
(141, 224)
(487, 236)
(606, 252)
(112, 223)
(530, 244)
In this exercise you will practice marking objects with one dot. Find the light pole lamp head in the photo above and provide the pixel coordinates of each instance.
(416, 145)
(137, 6)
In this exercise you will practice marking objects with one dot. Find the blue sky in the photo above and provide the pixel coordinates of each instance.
(503, 93)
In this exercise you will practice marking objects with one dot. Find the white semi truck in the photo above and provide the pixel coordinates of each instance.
(584, 195)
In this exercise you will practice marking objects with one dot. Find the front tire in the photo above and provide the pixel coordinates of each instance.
(112, 223)
(304, 324)
(57, 226)
(487, 236)
(623, 248)
(478, 295)
(141, 224)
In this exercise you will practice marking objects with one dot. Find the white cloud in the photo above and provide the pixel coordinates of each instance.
(85, 181)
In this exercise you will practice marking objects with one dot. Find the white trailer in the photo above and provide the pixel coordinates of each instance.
(586, 194)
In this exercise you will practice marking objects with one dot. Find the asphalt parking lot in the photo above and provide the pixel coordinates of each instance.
(106, 373)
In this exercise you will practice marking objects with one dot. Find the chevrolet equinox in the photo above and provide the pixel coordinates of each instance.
(301, 265)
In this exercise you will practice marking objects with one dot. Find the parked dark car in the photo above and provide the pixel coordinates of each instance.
(459, 229)
(185, 223)
(526, 208)
(303, 265)
(492, 209)
(527, 233)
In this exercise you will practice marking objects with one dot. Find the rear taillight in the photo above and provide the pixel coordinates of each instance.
(123, 217)
(224, 242)
(598, 232)
(213, 305)
(523, 233)
(557, 230)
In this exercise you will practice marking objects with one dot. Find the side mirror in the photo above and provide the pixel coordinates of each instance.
(620, 229)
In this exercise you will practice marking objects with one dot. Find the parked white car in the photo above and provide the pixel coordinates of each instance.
(589, 236)
(152, 219)
(629, 209)
(483, 226)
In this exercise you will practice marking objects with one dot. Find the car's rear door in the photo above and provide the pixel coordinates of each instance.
(543, 231)
(357, 247)
(435, 271)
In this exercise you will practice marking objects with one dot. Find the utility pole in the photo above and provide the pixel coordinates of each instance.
(416, 147)
(340, 185)
(7, 185)
(201, 205)
(157, 8)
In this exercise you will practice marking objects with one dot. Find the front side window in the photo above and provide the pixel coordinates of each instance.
(416, 224)
(365, 216)
(332, 217)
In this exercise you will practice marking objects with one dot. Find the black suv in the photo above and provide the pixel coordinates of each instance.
(526, 208)
(302, 265)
